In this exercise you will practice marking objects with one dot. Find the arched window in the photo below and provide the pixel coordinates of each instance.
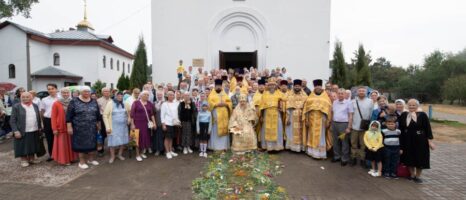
(12, 71)
(123, 67)
(129, 69)
(118, 65)
(111, 63)
(104, 61)
(56, 59)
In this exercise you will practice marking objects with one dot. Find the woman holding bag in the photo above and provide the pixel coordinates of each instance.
(415, 140)
(116, 119)
(170, 119)
(142, 118)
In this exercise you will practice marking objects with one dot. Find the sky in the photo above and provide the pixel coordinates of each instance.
(403, 31)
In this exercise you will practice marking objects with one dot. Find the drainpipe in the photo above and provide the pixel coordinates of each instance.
(28, 64)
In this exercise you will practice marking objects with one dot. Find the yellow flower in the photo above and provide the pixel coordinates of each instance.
(281, 189)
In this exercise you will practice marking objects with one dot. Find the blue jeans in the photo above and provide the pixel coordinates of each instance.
(391, 158)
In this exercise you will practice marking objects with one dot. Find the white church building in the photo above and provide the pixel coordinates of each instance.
(32, 59)
(241, 33)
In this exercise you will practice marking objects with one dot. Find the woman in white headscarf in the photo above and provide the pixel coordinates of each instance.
(415, 140)
(62, 152)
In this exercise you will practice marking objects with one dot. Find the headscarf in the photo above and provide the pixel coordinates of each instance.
(118, 103)
(64, 102)
(374, 133)
(412, 115)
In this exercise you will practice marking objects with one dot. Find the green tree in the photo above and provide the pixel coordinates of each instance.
(122, 84)
(362, 60)
(139, 74)
(454, 89)
(9, 8)
(97, 87)
(338, 65)
(127, 82)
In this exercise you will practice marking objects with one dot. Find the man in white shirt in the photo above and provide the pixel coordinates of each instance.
(45, 108)
(342, 113)
(362, 106)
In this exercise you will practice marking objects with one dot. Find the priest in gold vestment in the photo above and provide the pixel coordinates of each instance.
(241, 125)
(271, 134)
(316, 115)
(221, 107)
(256, 102)
(293, 120)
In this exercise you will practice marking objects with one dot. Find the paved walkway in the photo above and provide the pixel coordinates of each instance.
(448, 116)
(303, 178)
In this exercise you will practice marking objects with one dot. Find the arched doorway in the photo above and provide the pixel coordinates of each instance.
(238, 39)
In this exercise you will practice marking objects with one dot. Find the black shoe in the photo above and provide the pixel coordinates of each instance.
(344, 163)
(49, 159)
(393, 176)
(417, 180)
(411, 178)
(335, 160)
(354, 162)
(386, 175)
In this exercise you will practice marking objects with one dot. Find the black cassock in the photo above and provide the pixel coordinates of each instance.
(414, 140)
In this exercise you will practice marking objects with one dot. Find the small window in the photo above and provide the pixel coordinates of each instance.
(111, 86)
(12, 71)
(111, 63)
(87, 84)
(56, 59)
(123, 67)
(129, 69)
(104, 62)
(118, 65)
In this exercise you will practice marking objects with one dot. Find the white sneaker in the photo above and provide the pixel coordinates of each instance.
(201, 154)
(169, 155)
(94, 162)
(83, 166)
(205, 155)
(190, 150)
(143, 156)
(375, 174)
(138, 158)
(371, 172)
(150, 151)
(185, 150)
(111, 160)
(24, 164)
(157, 153)
(173, 154)
(121, 158)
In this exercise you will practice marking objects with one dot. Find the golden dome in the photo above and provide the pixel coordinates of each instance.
(84, 23)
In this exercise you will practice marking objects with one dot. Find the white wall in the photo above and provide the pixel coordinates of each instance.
(13, 51)
(108, 75)
(295, 35)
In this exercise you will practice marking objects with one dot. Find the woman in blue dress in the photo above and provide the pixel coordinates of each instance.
(83, 121)
(116, 120)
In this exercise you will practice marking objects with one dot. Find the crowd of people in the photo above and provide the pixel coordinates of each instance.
(218, 110)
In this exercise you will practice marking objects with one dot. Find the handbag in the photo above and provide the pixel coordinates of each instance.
(134, 137)
(150, 124)
(41, 148)
(402, 170)
(364, 125)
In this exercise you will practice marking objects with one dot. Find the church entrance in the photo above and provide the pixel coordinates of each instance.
(238, 60)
